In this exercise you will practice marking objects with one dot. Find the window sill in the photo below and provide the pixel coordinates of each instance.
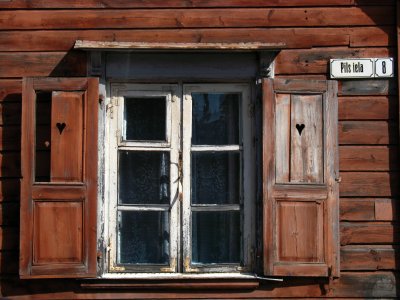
(160, 281)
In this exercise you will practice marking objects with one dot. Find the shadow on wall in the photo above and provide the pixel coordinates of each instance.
(74, 64)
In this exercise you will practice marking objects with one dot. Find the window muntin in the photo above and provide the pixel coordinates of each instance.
(220, 160)
(143, 178)
(217, 161)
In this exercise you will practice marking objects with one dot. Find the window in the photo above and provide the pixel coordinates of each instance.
(180, 183)
(181, 179)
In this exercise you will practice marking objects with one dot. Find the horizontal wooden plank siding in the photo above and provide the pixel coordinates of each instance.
(63, 40)
(369, 158)
(360, 258)
(369, 184)
(368, 108)
(367, 133)
(21, 64)
(37, 39)
(369, 233)
(182, 3)
(196, 18)
(369, 209)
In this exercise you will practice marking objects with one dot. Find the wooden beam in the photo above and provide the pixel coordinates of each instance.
(104, 45)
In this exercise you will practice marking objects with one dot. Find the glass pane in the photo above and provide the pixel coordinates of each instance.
(215, 177)
(216, 237)
(145, 118)
(215, 118)
(143, 177)
(143, 237)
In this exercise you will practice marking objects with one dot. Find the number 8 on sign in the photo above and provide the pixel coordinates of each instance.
(384, 67)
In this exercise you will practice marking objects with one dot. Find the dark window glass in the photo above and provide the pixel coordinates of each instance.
(143, 177)
(145, 119)
(215, 177)
(215, 118)
(216, 237)
(143, 237)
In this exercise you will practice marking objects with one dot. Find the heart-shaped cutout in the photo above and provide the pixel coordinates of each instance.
(300, 128)
(61, 127)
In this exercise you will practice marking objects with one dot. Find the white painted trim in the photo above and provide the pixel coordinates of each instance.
(116, 143)
(178, 135)
(247, 177)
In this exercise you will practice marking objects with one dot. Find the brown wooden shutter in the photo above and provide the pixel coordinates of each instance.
(59, 184)
(300, 161)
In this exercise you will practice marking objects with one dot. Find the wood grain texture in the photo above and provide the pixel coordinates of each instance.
(369, 209)
(369, 158)
(369, 233)
(63, 240)
(367, 87)
(282, 131)
(307, 139)
(367, 133)
(179, 3)
(20, 64)
(369, 184)
(369, 258)
(368, 108)
(307, 245)
(196, 18)
(67, 136)
(372, 36)
(63, 40)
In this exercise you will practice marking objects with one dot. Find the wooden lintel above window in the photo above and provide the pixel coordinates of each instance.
(104, 45)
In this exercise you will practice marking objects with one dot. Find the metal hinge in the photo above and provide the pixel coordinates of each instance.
(110, 106)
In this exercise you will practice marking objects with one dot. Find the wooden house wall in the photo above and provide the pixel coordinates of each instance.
(36, 38)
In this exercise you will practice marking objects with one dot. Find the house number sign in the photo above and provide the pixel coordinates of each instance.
(362, 68)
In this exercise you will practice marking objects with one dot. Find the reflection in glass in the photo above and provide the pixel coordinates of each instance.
(215, 118)
(143, 177)
(215, 177)
(216, 237)
(145, 119)
(143, 237)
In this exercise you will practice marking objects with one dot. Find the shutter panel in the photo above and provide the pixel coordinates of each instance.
(59, 185)
(300, 168)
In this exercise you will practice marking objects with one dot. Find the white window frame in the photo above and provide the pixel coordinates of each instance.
(115, 141)
(176, 143)
(247, 176)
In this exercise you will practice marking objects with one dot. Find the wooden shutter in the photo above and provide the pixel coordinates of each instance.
(300, 171)
(59, 184)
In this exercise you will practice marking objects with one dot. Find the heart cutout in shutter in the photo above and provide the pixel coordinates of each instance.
(300, 128)
(61, 126)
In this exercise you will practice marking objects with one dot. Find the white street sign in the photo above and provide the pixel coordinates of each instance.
(352, 68)
(362, 68)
